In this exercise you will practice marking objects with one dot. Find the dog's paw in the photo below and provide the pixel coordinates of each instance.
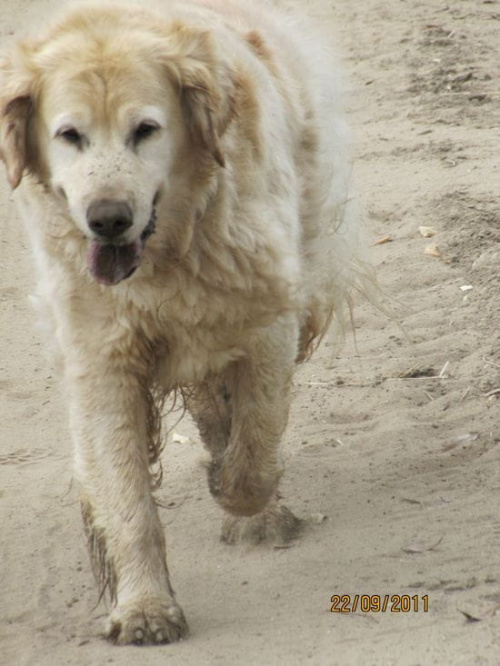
(276, 524)
(147, 622)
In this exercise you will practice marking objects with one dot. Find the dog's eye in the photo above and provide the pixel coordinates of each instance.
(144, 130)
(70, 135)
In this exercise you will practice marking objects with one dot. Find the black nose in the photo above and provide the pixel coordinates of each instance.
(109, 219)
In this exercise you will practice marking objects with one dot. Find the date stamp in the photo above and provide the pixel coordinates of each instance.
(376, 603)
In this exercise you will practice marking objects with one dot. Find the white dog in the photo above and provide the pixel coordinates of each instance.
(184, 178)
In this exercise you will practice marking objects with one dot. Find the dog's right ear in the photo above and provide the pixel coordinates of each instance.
(13, 125)
(15, 110)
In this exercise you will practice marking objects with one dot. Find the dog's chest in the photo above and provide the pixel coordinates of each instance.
(191, 354)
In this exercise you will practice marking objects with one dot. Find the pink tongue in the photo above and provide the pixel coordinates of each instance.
(110, 264)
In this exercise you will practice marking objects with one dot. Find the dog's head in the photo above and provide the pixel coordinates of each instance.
(104, 110)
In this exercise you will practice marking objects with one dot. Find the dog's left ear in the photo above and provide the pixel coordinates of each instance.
(206, 88)
(15, 111)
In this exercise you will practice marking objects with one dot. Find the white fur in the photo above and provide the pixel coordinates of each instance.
(257, 247)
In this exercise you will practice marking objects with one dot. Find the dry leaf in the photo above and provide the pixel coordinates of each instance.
(180, 439)
(385, 239)
(417, 371)
(461, 439)
(468, 437)
(318, 518)
(484, 612)
(433, 251)
(427, 232)
(419, 547)
(411, 501)
(469, 617)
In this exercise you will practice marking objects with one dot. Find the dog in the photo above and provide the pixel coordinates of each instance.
(183, 172)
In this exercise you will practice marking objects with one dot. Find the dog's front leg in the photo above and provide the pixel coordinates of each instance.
(244, 477)
(111, 424)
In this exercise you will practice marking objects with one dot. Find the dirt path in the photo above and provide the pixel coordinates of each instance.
(395, 444)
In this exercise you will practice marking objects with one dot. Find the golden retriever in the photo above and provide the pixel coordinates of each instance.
(183, 173)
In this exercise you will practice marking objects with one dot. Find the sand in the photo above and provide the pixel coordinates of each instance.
(393, 449)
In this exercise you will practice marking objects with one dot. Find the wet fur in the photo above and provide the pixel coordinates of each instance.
(257, 248)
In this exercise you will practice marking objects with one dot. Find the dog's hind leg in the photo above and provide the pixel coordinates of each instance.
(210, 405)
(111, 425)
(245, 469)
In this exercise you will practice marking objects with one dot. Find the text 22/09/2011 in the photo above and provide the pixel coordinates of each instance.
(375, 603)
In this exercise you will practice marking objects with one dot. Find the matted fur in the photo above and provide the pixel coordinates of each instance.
(222, 121)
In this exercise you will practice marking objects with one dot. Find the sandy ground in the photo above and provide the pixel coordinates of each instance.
(393, 447)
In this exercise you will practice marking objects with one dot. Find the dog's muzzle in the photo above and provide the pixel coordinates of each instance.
(108, 260)
(109, 219)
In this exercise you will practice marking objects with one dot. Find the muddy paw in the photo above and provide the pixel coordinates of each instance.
(147, 622)
(276, 524)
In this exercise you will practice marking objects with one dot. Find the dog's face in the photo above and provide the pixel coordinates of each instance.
(109, 141)
(101, 115)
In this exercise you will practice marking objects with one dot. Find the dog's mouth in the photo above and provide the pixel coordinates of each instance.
(110, 263)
